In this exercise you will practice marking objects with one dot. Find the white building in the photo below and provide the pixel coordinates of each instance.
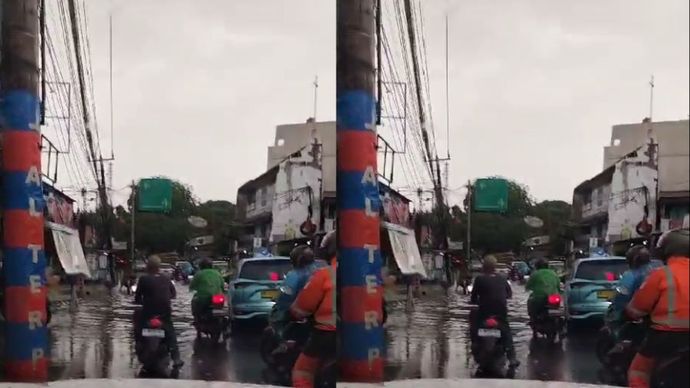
(644, 187)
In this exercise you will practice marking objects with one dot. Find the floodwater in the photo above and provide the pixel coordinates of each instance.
(97, 342)
(432, 341)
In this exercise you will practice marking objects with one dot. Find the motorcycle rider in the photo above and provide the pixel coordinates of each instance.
(641, 265)
(154, 293)
(542, 283)
(304, 264)
(317, 298)
(491, 292)
(665, 298)
(206, 283)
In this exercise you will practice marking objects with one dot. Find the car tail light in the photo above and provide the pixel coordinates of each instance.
(155, 323)
(555, 300)
(218, 299)
(491, 323)
(273, 276)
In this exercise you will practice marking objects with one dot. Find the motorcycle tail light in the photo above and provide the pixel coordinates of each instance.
(555, 300)
(155, 323)
(610, 276)
(273, 276)
(491, 323)
(218, 299)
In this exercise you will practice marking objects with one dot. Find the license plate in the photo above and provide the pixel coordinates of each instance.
(219, 312)
(555, 313)
(157, 333)
(493, 333)
(269, 294)
(606, 294)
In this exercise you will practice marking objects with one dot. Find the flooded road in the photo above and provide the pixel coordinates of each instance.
(432, 341)
(96, 342)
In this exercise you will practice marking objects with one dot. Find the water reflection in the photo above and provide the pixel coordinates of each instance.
(432, 341)
(97, 342)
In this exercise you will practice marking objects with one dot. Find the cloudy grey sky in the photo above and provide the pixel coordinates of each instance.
(535, 86)
(200, 85)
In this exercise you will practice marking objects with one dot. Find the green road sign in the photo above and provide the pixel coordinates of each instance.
(155, 195)
(491, 195)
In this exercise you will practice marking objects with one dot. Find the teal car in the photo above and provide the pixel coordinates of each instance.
(252, 291)
(591, 286)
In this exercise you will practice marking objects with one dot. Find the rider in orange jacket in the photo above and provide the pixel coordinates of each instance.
(317, 299)
(665, 298)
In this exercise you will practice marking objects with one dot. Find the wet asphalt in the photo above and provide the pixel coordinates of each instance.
(428, 341)
(96, 342)
(432, 341)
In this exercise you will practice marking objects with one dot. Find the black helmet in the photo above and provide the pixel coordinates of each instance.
(205, 263)
(675, 242)
(301, 255)
(638, 256)
(541, 264)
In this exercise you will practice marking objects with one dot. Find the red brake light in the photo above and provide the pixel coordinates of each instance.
(155, 323)
(273, 276)
(218, 299)
(554, 299)
(610, 276)
(491, 322)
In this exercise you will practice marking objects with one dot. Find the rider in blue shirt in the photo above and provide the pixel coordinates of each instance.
(641, 265)
(304, 264)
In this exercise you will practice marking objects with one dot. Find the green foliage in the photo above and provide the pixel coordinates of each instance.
(170, 232)
(506, 232)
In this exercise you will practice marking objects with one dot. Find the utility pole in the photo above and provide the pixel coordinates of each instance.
(98, 168)
(132, 226)
(469, 222)
(359, 257)
(24, 262)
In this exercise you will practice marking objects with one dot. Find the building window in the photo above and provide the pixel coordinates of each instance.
(251, 197)
(600, 196)
(587, 197)
(263, 197)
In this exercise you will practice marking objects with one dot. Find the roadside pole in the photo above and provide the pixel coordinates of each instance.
(133, 225)
(469, 222)
(359, 257)
(24, 260)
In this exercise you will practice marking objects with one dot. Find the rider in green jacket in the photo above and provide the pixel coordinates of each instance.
(542, 283)
(206, 283)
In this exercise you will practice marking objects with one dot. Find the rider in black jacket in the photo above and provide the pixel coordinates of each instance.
(491, 292)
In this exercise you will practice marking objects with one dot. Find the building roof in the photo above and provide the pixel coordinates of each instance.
(260, 181)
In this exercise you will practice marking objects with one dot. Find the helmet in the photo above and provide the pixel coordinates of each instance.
(673, 243)
(301, 255)
(541, 264)
(638, 256)
(205, 263)
(329, 246)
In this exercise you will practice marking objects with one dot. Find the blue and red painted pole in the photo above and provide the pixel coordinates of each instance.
(359, 257)
(24, 262)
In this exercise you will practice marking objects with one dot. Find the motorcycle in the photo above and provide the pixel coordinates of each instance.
(672, 371)
(550, 322)
(488, 349)
(151, 348)
(280, 349)
(214, 321)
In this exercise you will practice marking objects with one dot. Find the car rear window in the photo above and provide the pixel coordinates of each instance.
(265, 269)
(610, 270)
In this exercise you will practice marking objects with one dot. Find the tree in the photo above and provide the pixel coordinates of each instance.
(493, 232)
(556, 215)
(220, 216)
